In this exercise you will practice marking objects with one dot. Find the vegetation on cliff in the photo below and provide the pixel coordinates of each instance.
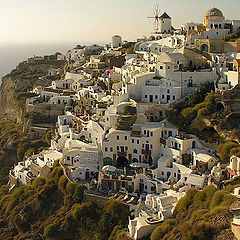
(199, 215)
(53, 208)
(214, 118)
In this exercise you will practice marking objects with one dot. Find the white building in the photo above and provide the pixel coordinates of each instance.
(141, 145)
(116, 41)
(234, 166)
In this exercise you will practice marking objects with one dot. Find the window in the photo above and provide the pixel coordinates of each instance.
(173, 97)
(144, 132)
(137, 141)
(135, 151)
(142, 145)
(132, 140)
(168, 67)
(68, 158)
(151, 134)
(175, 174)
(162, 173)
(156, 96)
(125, 137)
(168, 91)
(145, 96)
(151, 146)
(118, 148)
(106, 149)
(161, 67)
(111, 149)
(162, 96)
(126, 148)
(117, 137)
(185, 179)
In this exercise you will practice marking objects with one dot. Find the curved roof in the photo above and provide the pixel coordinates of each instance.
(171, 57)
(204, 157)
(214, 12)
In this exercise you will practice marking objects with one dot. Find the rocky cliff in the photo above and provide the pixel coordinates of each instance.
(22, 79)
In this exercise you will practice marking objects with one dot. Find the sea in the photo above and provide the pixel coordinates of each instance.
(11, 54)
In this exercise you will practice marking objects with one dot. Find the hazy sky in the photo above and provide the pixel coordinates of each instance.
(95, 20)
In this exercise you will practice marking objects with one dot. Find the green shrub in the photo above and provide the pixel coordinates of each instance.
(198, 214)
(202, 112)
(51, 230)
(81, 212)
(38, 183)
(220, 210)
(224, 150)
(160, 231)
(62, 183)
(113, 208)
(57, 173)
(186, 201)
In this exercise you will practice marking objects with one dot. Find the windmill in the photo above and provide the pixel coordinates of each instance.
(156, 17)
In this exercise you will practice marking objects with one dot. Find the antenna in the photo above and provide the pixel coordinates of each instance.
(156, 17)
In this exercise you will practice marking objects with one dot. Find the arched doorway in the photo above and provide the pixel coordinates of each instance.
(135, 160)
(107, 161)
(220, 107)
(204, 48)
(122, 162)
(148, 159)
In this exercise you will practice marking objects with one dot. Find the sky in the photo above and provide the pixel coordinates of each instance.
(62, 21)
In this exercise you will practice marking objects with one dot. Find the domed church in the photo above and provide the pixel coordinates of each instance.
(214, 19)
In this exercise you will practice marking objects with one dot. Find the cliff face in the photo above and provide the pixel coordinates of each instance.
(22, 79)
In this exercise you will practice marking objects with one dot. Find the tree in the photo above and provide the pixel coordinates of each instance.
(115, 213)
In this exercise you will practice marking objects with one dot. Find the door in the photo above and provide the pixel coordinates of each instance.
(109, 186)
(168, 98)
(141, 187)
(151, 98)
(176, 145)
(87, 175)
(178, 177)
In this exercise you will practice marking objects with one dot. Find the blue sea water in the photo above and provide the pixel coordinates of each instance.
(11, 54)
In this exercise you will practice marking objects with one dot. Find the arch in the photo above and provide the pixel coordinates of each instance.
(122, 162)
(135, 160)
(204, 48)
(135, 151)
(220, 107)
(107, 161)
(148, 159)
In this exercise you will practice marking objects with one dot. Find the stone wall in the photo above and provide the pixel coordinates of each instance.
(99, 200)
(51, 110)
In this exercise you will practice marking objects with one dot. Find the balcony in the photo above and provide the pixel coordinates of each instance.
(146, 152)
(163, 140)
(122, 154)
(136, 134)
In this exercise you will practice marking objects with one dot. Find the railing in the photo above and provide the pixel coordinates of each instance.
(147, 152)
(121, 154)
